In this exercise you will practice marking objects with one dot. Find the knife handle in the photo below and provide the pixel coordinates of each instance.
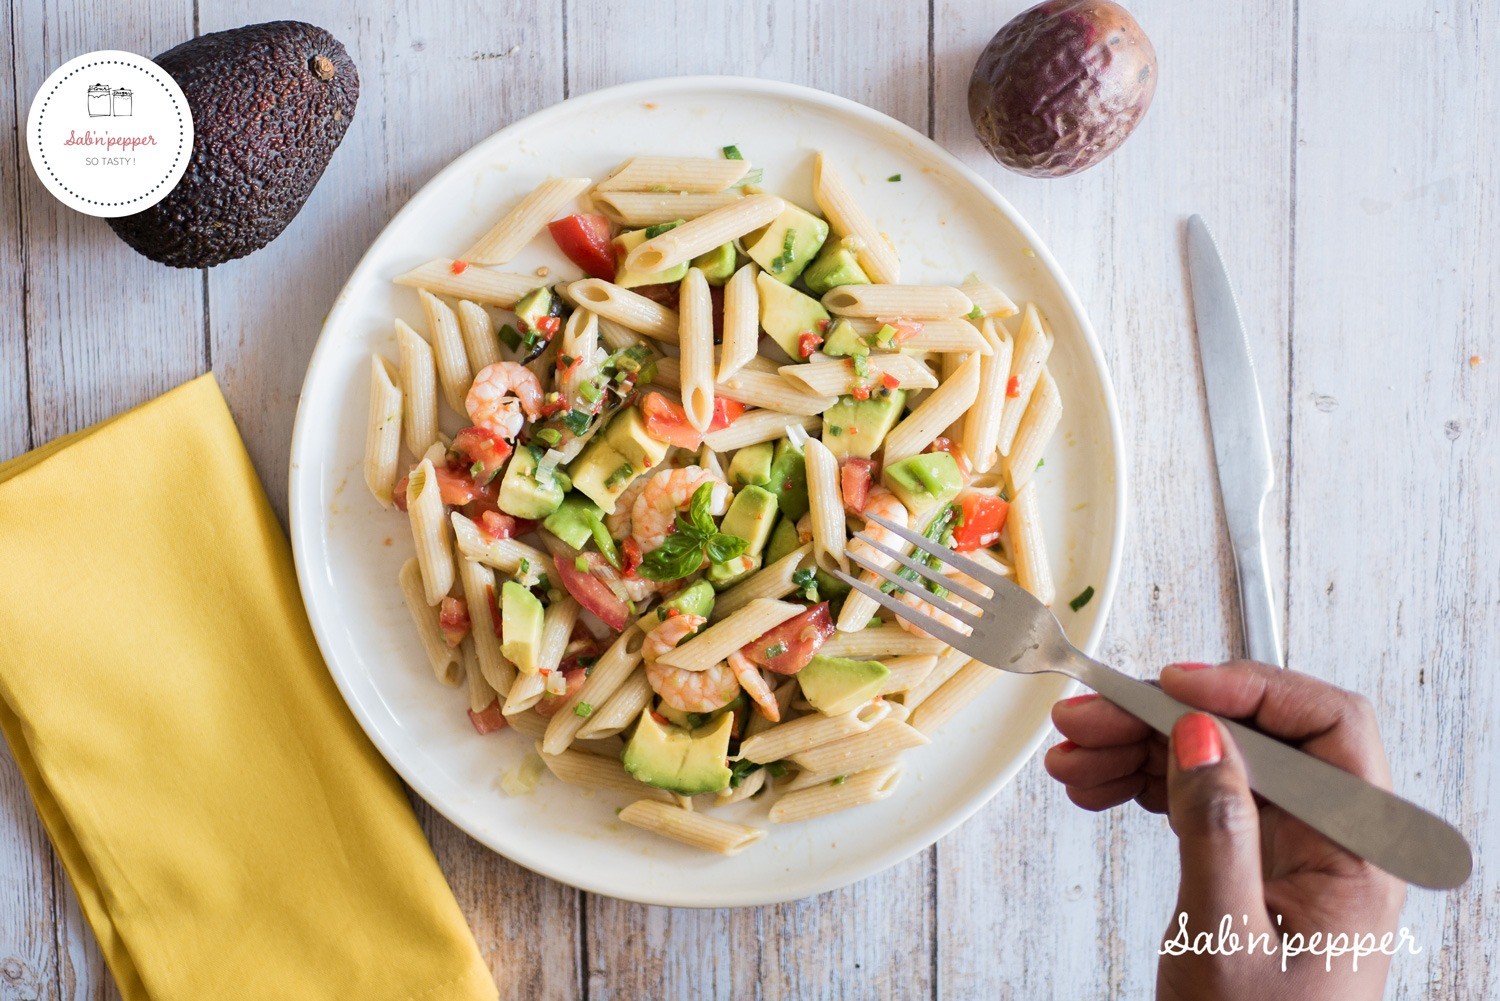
(1258, 604)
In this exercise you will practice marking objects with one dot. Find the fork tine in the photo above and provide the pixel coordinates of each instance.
(979, 572)
(936, 630)
(942, 604)
(962, 590)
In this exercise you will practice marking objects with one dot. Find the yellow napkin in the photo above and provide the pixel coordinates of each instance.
(228, 828)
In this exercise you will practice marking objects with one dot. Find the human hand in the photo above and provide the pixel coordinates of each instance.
(1241, 856)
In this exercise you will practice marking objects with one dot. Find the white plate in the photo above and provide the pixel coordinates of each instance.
(947, 222)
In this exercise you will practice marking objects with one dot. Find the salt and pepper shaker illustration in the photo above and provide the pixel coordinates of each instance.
(100, 101)
(121, 104)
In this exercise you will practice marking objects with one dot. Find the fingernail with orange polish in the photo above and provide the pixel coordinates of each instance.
(1196, 742)
(1065, 747)
(1190, 665)
(1079, 700)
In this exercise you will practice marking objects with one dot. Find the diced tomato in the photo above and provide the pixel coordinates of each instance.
(666, 421)
(855, 477)
(459, 267)
(583, 652)
(860, 392)
(555, 404)
(941, 443)
(584, 238)
(1013, 387)
(483, 451)
(398, 493)
(549, 325)
(787, 648)
(983, 518)
(494, 601)
(889, 381)
(550, 704)
(497, 525)
(456, 486)
(630, 556)
(590, 590)
(453, 619)
(489, 719)
(905, 329)
(660, 718)
(807, 343)
(726, 412)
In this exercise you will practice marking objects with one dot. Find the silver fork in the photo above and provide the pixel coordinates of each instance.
(1014, 632)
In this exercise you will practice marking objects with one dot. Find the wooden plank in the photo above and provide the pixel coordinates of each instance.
(1095, 897)
(433, 81)
(106, 329)
(1395, 590)
(874, 939)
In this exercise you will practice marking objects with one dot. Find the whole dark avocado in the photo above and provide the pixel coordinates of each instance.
(1061, 86)
(270, 103)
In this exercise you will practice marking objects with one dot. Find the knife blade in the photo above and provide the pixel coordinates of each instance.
(1242, 448)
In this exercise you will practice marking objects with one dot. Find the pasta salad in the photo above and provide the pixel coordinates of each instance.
(626, 550)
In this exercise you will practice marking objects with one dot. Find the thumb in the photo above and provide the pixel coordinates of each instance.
(1217, 825)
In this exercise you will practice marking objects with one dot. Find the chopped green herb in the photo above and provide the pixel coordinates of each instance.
(1083, 598)
(695, 720)
(885, 336)
(550, 435)
(589, 391)
(894, 177)
(583, 709)
(620, 475)
(754, 177)
(525, 567)
(732, 153)
(605, 542)
(788, 254)
(577, 421)
(806, 581)
(741, 768)
(1040, 463)
(776, 769)
(510, 337)
(861, 365)
(976, 313)
(838, 781)
(775, 650)
(659, 228)
(581, 564)
(835, 430)
(476, 469)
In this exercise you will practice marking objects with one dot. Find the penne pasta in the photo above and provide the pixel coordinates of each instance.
(847, 219)
(383, 433)
(481, 695)
(774, 581)
(454, 374)
(444, 660)
(856, 790)
(616, 336)
(1028, 548)
(708, 833)
(941, 408)
(1038, 424)
(525, 692)
(696, 342)
(419, 416)
(627, 308)
(478, 331)
(757, 426)
(940, 336)
(430, 531)
(506, 555)
(636, 209)
(698, 236)
(906, 672)
(955, 693)
(948, 664)
(1033, 343)
(988, 299)
(527, 724)
(465, 281)
(981, 425)
(609, 673)
(676, 173)
(481, 594)
(839, 378)
(882, 743)
(741, 338)
(879, 642)
(826, 503)
(593, 771)
(912, 302)
(724, 637)
(773, 391)
(787, 739)
(618, 711)
(520, 225)
(557, 627)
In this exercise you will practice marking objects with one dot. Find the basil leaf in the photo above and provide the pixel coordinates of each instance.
(698, 509)
(674, 559)
(723, 548)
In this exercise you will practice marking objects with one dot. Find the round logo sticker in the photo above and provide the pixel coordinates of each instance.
(109, 133)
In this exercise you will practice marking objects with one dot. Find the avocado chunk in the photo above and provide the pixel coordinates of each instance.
(695, 599)
(751, 465)
(615, 456)
(751, 516)
(788, 479)
(520, 626)
(855, 428)
(836, 265)
(786, 314)
(534, 306)
(270, 103)
(843, 340)
(527, 493)
(788, 245)
(626, 242)
(923, 481)
(574, 520)
(687, 762)
(718, 264)
(834, 685)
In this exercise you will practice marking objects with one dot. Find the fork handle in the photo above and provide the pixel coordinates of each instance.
(1381, 827)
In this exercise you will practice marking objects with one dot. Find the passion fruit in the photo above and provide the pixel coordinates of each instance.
(1061, 86)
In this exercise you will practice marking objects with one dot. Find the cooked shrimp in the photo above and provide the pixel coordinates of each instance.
(501, 394)
(657, 506)
(755, 686)
(804, 529)
(689, 691)
(618, 522)
(917, 598)
(883, 503)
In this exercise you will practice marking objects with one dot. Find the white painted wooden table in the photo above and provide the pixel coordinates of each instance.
(1345, 152)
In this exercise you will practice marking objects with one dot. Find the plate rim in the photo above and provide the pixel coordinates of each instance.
(302, 531)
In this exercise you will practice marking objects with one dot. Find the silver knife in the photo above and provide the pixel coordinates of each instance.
(1241, 446)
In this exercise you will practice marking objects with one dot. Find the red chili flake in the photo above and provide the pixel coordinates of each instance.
(860, 392)
(459, 267)
(823, 326)
(1013, 387)
(889, 381)
(549, 324)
